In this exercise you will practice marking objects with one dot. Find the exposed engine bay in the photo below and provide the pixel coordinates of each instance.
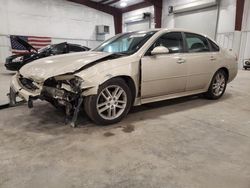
(64, 91)
(61, 91)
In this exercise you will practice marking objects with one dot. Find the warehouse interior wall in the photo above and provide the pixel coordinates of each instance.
(59, 19)
(134, 19)
(223, 21)
(245, 34)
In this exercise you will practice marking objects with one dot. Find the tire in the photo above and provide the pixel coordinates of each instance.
(216, 88)
(245, 68)
(111, 104)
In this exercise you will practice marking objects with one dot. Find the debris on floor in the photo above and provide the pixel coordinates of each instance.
(128, 128)
(108, 134)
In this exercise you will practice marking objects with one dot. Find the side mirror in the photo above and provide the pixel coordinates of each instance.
(160, 50)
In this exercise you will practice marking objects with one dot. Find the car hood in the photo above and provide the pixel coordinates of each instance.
(42, 69)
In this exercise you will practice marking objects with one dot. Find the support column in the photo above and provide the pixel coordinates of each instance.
(158, 13)
(239, 14)
(118, 22)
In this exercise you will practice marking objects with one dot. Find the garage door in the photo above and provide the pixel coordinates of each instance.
(201, 21)
(138, 26)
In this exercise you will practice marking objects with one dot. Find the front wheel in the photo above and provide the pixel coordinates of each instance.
(218, 85)
(111, 104)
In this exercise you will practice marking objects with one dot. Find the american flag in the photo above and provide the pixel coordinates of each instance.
(36, 42)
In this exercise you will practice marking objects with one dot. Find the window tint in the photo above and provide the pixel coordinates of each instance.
(75, 48)
(196, 43)
(214, 47)
(173, 41)
(59, 48)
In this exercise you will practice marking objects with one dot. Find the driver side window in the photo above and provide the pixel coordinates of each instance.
(173, 41)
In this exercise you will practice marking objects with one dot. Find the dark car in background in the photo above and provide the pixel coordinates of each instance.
(246, 64)
(15, 62)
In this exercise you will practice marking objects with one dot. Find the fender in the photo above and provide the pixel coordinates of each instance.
(92, 83)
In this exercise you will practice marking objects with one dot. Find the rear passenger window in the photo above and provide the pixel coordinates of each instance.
(214, 47)
(196, 43)
(173, 41)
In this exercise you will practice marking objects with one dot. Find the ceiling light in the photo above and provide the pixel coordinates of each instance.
(123, 4)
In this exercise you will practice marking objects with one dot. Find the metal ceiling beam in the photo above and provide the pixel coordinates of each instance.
(103, 1)
(112, 2)
(157, 3)
(98, 6)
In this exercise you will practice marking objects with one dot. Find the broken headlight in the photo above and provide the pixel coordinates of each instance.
(69, 82)
(76, 82)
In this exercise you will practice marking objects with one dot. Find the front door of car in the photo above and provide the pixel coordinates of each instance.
(200, 62)
(165, 73)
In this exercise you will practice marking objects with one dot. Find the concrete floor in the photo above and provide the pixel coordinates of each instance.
(189, 142)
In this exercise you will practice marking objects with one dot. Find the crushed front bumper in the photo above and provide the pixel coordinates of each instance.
(16, 89)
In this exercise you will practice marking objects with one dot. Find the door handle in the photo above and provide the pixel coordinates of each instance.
(212, 58)
(180, 61)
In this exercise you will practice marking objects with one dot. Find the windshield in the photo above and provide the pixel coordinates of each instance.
(127, 43)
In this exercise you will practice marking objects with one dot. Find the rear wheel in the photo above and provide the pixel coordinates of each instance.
(111, 104)
(218, 85)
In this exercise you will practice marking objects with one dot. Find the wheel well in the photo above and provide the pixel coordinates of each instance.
(225, 70)
(129, 81)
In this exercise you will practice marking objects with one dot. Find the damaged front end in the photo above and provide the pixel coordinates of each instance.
(64, 91)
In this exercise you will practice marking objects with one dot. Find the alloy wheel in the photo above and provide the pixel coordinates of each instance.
(219, 84)
(111, 102)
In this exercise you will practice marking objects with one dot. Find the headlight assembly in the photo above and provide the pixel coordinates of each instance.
(18, 59)
(76, 82)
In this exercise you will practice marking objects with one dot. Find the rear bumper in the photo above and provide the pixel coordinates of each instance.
(232, 73)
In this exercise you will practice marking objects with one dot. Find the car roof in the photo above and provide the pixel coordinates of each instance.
(177, 30)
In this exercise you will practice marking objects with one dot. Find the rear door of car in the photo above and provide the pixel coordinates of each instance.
(199, 60)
